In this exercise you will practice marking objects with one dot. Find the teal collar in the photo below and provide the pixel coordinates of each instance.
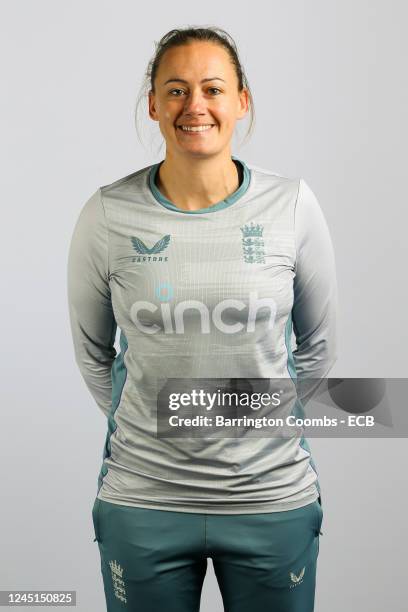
(214, 207)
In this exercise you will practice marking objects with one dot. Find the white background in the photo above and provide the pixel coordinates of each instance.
(330, 90)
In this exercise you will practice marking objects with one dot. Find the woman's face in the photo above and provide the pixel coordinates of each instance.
(196, 84)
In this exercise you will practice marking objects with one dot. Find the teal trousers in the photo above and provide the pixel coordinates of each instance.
(156, 560)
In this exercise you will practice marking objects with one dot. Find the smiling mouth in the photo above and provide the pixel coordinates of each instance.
(201, 130)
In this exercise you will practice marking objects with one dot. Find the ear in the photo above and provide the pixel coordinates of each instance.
(152, 106)
(243, 103)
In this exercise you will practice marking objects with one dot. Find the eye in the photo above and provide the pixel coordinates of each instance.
(209, 89)
(171, 90)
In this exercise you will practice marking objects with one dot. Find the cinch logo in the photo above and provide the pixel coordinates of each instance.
(172, 317)
(148, 254)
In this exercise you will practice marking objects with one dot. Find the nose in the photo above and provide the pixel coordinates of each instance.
(194, 102)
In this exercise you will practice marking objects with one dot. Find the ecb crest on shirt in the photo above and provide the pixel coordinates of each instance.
(252, 246)
(252, 243)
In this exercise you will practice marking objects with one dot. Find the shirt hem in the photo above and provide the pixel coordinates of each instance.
(244, 508)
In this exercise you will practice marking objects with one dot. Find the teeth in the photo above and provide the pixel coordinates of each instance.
(200, 128)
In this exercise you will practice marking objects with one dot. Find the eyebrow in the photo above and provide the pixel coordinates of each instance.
(175, 79)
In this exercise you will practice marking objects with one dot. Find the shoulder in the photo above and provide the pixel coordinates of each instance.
(308, 211)
(129, 182)
(265, 174)
(298, 185)
(311, 228)
(91, 212)
(275, 188)
(306, 197)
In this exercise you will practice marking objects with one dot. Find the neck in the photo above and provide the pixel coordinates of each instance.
(197, 183)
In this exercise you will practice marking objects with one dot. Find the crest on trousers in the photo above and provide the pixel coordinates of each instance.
(117, 579)
(297, 579)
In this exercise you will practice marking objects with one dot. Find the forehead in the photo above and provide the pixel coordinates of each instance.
(196, 58)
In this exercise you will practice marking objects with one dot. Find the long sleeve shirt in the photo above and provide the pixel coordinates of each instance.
(207, 294)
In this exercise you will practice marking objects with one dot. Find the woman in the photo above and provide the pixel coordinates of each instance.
(204, 262)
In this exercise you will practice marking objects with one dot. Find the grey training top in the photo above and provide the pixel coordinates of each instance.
(210, 293)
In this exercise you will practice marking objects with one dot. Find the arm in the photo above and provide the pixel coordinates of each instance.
(314, 310)
(92, 321)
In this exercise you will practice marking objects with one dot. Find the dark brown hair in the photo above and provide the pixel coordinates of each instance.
(178, 37)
